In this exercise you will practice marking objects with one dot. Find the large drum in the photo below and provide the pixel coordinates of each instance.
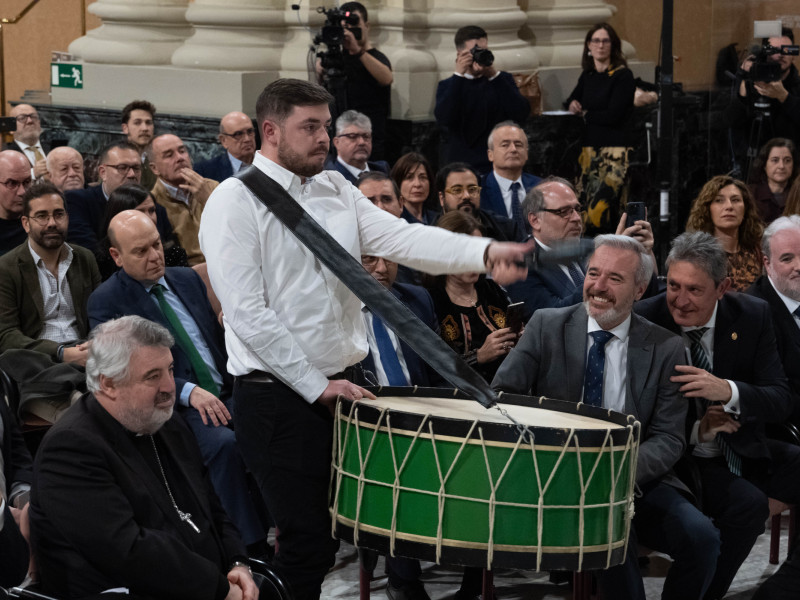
(425, 474)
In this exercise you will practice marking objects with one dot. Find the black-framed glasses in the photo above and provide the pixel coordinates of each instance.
(31, 116)
(123, 168)
(238, 135)
(59, 216)
(13, 184)
(354, 137)
(457, 190)
(565, 212)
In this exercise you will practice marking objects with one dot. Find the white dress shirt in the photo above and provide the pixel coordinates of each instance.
(563, 267)
(284, 312)
(58, 319)
(505, 189)
(708, 449)
(791, 303)
(30, 154)
(615, 372)
(380, 373)
(354, 171)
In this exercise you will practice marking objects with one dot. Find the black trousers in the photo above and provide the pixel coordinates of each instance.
(286, 444)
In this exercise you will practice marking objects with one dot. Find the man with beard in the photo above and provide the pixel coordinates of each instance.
(180, 190)
(26, 139)
(780, 287)
(138, 127)
(458, 189)
(238, 137)
(353, 143)
(45, 283)
(65, 168)
(122, 503)
(292, 330)
(626, 364)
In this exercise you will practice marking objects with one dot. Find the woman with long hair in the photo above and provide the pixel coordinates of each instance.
(414, 178)
(471, 308)
(774, 171)
(604, 98)
(725, 208)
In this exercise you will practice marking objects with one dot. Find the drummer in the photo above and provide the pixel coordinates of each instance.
(627, 363)
(294, 332)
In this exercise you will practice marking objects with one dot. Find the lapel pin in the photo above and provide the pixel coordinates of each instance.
(734, 336)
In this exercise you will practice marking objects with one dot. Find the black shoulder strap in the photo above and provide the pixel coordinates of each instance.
(380, 301)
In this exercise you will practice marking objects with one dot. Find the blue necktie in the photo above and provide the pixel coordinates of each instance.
(700, 360)
(516, 208)
(389, 360)
(595, 365)
(575, 274)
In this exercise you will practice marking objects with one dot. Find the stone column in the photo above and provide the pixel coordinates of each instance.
(134, 32)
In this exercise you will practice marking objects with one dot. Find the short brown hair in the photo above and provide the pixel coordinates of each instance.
(279, 98)
(137, 105)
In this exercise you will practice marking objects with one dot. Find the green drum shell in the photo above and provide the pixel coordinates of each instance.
(466, 492)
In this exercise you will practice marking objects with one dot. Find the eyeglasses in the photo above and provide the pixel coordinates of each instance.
(13, 184)
(31, 116)
(565, 212)
(600, 42)
(123, 169)
(371, 261)
(457, 190)
(238, 135)
(44, 218)
(353, 137)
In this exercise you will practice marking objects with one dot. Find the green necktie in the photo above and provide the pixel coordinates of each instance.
(204, 379)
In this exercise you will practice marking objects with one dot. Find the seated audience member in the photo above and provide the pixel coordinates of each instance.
(780, 287)
(774, 171)
(15, 178)
(413, 175)
(353, 143)
(474, 100)
(471, 308)
(121, 502)
(554, 214)
(65, 168)
(119, 164)
(458, 189)
(132, 196)
(378, 187)
(793, 199)
(27, 139)
(238, 137)
(16, 469)
(45, 282)
(175, 297)
(180, 190)
(138, 127)
(505, 186)
(725, 209)
(624, 363)
(734, 386)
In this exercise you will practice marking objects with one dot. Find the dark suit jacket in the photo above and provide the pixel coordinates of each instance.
(87, 212)
(787, 336)
(17, 462)
(419, 301)
(334, 165)
(550, 360)
(21, 303)
(101, 517)
(492, 197)
(122, 295)
(746, 353)
(12, 145)
(217, 168)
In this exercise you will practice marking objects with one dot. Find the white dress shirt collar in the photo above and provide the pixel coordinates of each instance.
(791, 303)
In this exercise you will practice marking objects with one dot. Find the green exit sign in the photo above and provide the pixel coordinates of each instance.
(66, 75)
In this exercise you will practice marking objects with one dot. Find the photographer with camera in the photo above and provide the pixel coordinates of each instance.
(366, 72)
(475, 99)
(767, 104)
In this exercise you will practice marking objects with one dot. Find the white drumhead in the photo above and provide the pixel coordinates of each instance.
(469, 410)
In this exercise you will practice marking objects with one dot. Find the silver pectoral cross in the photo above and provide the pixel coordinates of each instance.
(187, 517)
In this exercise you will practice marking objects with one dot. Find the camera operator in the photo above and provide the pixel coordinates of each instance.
(780, 114)
(367, 75)
(475, 99)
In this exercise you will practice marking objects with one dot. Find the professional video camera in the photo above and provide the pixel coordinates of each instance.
(765, 69)
(332, 35)
(482, 56)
